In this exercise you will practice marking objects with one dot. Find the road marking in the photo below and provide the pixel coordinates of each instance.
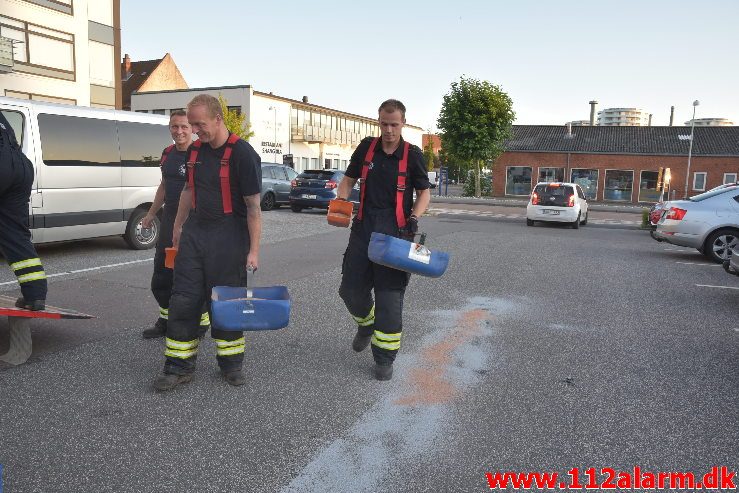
(677, 249)
(699, 263)
(414, 409)
(717, 287)
(89, 269)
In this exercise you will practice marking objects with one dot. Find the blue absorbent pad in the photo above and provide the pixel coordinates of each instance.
(406, 256)
(239, 308)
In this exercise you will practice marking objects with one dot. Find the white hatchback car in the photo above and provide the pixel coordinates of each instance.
(557, 202)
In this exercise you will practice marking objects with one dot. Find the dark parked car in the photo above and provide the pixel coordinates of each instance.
(276, 180)
(316, 187)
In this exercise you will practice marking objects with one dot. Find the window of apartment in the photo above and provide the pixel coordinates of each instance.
(64, 6)
(39, 97)
(142, 143)
(619, 185)
(100, 11)
(648, 186)
(304, 162)
(518, 180)
(15, 119)
(699, 181)
(39, 45)
(588, 181)
(730, 178)
(101, 64)
(73, 141)
(344, 164)
(548, 175)
(336, 164)
(314, 163)
(158, 112)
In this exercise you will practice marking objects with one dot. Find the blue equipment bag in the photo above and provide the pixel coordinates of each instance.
(239, 308)
(406, 256)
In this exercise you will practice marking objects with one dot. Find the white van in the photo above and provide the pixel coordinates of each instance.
(96, 170)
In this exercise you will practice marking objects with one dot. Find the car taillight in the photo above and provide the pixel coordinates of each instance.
(331, 184)
(294, 183)
(534, 199)
(675, 213)
(571, 202)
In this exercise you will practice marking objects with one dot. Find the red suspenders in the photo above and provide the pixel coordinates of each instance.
(402, 174)
(223, 173)
(165, 154)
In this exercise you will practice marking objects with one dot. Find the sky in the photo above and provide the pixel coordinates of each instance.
(551, 57)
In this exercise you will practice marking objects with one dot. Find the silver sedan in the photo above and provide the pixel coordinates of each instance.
(708, 222)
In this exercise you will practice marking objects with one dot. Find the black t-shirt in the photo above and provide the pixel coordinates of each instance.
(246, 179)
(382, 177)
(174, 176)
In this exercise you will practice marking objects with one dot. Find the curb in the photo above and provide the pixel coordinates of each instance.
(495, 202)
(522, 220)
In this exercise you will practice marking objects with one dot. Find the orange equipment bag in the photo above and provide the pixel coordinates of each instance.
(340, 213)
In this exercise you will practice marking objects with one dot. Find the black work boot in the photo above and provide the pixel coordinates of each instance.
(168, 381)
(383, 372)
(235, 377)
(33, 305)
(158, 330)
(361, 341)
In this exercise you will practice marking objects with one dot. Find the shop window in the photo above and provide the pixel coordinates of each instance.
(588, 181)
(548, 175)
(648, 186)
(619, 185)
(699, 181)
(518, 180)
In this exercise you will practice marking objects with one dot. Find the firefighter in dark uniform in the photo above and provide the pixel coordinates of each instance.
(217, 243)
(389, 169)
(16, 181)
(174, 172)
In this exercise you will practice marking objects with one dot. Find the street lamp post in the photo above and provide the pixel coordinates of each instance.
(690, 148)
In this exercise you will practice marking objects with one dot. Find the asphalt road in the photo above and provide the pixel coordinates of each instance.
(541, 348)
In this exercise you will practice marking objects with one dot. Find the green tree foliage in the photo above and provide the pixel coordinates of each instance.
(235, 121)
(475, 119)
(429, 156)
(486, 184)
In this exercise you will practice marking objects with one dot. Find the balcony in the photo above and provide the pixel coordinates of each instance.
(312, 134)
(6, 55)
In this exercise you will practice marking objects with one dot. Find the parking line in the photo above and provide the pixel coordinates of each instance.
(699, 263)
(717, 287)
(78, 271)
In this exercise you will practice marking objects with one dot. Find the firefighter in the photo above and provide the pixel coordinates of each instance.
(216, 244)
(389, 170)
(174, 170)
(16, 180)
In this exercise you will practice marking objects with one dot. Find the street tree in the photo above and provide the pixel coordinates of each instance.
(235, 121)
(475, 119)
(428, 155)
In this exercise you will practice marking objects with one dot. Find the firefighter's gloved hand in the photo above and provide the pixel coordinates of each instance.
(411, 228)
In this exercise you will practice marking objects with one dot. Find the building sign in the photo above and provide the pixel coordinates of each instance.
(271, 147)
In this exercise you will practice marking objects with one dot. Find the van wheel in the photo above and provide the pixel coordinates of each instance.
(139, 238)
(296, 208)
(585, 221)
(268, 202)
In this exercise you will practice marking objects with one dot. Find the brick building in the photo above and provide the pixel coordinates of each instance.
(616, 164)
(148, 76)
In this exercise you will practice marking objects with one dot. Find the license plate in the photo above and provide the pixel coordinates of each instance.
(306, 196)
(550, 211)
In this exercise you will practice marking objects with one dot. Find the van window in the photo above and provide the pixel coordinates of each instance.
(74, 141)
(142, 143)
(15, 119)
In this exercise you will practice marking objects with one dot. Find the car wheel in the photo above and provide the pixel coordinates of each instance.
(268, 201)
(576, 224)
(296, 208)
(529, 222)
(719, 244)
(585, 221)
(136, 236)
